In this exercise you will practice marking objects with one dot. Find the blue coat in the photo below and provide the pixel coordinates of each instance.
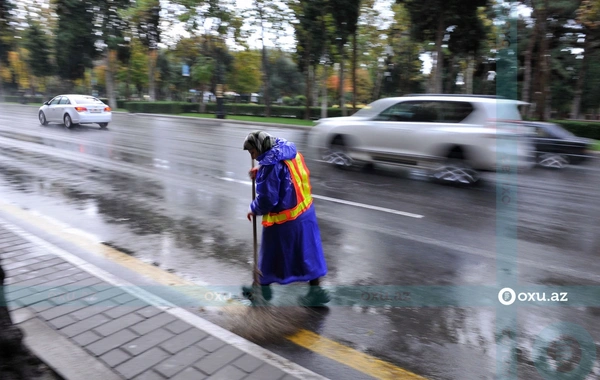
(291, 251)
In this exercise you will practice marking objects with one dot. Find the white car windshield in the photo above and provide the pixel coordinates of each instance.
(86, 100)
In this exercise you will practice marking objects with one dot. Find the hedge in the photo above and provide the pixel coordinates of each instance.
(25, 99)
(584, 128)
(230, 109)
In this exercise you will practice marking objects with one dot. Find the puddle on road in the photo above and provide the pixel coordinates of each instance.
(129, 213)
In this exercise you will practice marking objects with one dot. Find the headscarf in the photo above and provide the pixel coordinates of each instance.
(259, 140)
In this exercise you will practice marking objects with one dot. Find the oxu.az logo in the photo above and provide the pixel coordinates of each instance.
(508, 296)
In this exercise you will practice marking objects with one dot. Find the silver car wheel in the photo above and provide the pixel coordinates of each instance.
(456, 172)
(68, 121)
(339, 158)
(338, 153)
(553, 160)
(42, 118)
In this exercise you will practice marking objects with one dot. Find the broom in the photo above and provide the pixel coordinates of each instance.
(268, 323)
(257, 298)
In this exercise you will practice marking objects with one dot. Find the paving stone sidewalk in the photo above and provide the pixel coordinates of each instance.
(134, 339)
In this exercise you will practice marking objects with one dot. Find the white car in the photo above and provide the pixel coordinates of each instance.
(72, 110)
(454, 136)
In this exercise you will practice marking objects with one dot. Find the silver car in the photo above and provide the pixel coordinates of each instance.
(72, 110)
(454, 136)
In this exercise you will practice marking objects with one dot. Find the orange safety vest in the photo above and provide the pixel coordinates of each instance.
(299, 176)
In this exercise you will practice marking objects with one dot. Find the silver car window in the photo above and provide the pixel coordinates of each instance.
(55, 100)
(403, 111)
(453, 112)
(86, 100)
(64, 100)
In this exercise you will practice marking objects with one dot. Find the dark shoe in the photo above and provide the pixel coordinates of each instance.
(316, 297)
(248, 292)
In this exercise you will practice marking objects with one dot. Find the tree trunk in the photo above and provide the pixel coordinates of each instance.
(266, 78)
(576, 106)
(202, 104)
(541, 108)
(451, 82)
(439, 59)
(377, 88)
(2, 99)
(354, 58)
(324, 97)
(128, 80)
(315, 87)
(110, 82)
(153, 54)
(526, 91)
(307, 90)
(341, 85)
(469, 74)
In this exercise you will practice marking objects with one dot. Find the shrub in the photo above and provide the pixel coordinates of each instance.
(588, 129)
(244, 109)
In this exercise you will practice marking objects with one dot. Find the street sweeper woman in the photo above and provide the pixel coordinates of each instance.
(291, 249)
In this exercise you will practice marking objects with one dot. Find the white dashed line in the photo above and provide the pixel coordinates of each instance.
(342, 201)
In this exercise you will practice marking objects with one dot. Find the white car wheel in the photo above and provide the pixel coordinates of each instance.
(553, 160)
(42, 118)
(338, 154)
(456, 171)
(68, 121)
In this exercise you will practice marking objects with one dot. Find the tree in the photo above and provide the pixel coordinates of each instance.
(201, 73)
(286, 79)
(75, 41)
(551, 19)
(428, 25)
(312, 27)
(345, 15)
(270, 17)
(37, 44)
(112, 27)
(144, 17)
(136, 71)
(6, 40)
(17, 64)
(246, 74)
(588, 16)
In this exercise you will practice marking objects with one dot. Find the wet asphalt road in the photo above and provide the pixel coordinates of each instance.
(174, 192)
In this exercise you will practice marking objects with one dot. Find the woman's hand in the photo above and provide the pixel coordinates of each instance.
(252, 172)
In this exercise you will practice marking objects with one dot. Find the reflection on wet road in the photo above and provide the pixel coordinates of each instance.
(174, 192)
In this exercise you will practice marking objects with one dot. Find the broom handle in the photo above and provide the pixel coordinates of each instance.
(256, 279)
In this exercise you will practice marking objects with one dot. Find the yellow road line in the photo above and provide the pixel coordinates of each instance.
(328, 348)
(350, 357)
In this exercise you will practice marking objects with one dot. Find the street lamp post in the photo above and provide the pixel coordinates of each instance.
(220, 108)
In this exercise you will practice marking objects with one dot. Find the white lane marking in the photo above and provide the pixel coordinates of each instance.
(348, 203)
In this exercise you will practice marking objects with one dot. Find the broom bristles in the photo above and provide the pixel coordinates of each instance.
(265, 323)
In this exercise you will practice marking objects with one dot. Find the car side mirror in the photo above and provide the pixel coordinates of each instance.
(46, 103)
